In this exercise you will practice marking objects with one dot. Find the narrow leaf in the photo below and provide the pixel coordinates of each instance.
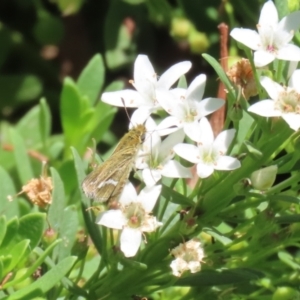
(91, 79)
(21, 157)
(44, 121)
(46, 282)
(55, 213)
(9, 208)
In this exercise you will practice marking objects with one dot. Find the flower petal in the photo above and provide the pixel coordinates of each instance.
(289, 52)
(268, 15)
(143, 72)
(168, 125)
(262, 58)
(272, 87)
(227, 163)
(208, 105)
(128, 195)
(224, 139)
(204, 170)
(111, 219)
(151, 176)
(130, 241)
(166, 148)
(196, 89)
(150, 225)
(148, 197)
(169, 77)
(291, 22)
(248, 37)
(140, 115)
(294, 81)
(292, 119)
(173, 169)
(188, 152)
(207, 135)
(131, 98)
(265, 108)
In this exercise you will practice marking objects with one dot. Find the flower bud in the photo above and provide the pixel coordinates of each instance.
(264, 178)
(284, 293)
(235, 113)
(50, 235)
(198, 41)
(181, 27)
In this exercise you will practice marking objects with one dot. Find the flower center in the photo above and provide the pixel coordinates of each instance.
(135, 214)
(190, 115)
(288, 101)
(209, 156)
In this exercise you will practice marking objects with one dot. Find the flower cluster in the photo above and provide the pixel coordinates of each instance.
(273, 41)
(156, 159)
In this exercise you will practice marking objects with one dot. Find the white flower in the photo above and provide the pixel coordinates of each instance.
(132, 217)
(209, 153)
(146, 83)
(188, 256)
(155, 157)
(185, 105)
(284, 102)
(272, 39)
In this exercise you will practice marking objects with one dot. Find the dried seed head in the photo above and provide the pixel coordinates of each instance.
(242, 76)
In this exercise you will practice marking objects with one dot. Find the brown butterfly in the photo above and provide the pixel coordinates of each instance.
(106, 182)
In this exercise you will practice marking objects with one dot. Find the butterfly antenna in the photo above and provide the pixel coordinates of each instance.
(123, 101)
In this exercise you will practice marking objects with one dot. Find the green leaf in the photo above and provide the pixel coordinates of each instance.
(70, 109)
(102, 119)
(27, 128)
(2, 228)
(68, 230)
(175, 197)
(91, 79)
(42, 256)
(9, 239)
(56, 209)
(46, 282)
(21, 157)
(44, 121)
(223, 77)
(286, 198)
(86, 203)
(17, 253)
(19, 88)
(289, 260)
(211, 278)
(288, 219)
(218, 236)
(9, 208)
(31, 227)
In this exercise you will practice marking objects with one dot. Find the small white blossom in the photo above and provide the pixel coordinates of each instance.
(273, 38)
(133, 217)
(186, 106)
(188, 256)
(156, 156)
(146, 83)
(284, 102)
(209, 154)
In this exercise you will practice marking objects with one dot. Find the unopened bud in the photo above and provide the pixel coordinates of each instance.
(198, 41)
(264, 178)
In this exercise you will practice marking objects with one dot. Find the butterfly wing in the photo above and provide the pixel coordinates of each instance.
(106, 182)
